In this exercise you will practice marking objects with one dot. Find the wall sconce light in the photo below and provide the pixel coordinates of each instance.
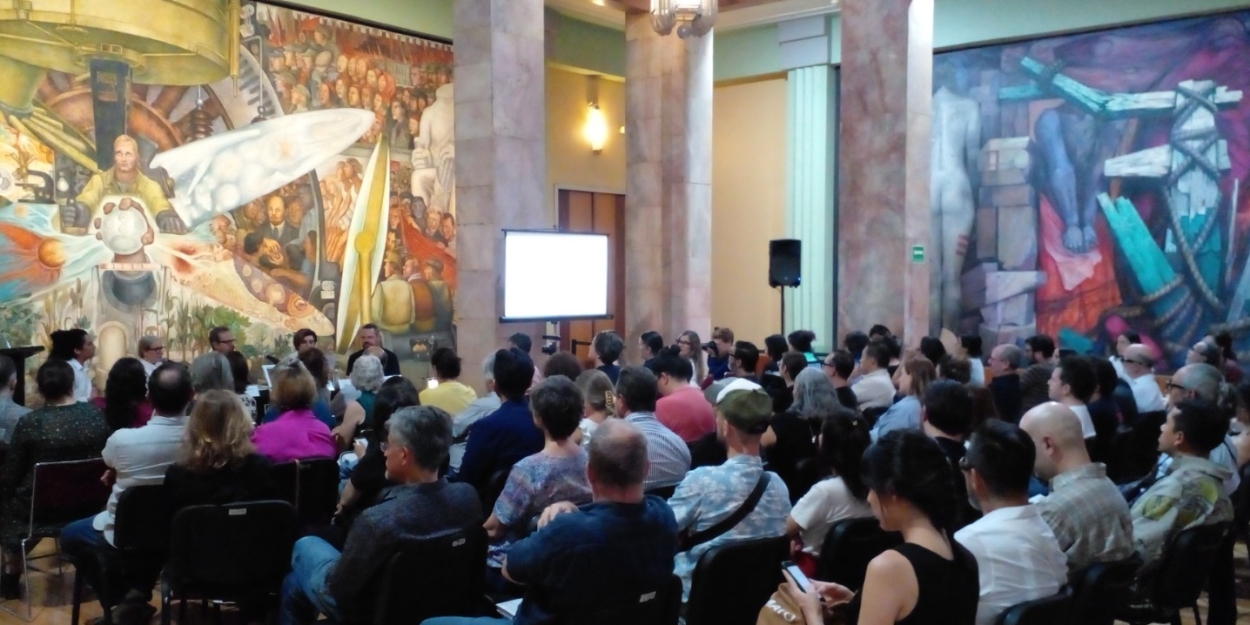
(596, 128)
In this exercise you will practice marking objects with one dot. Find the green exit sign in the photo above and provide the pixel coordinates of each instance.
(917, 253)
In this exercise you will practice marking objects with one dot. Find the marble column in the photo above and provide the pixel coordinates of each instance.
(883, 169)
(812, 109)
(668, 197)
(501, 160)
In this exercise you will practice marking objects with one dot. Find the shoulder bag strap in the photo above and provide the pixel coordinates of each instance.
(690, 541)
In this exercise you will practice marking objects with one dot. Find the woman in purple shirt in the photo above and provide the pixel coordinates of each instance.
(296, 434)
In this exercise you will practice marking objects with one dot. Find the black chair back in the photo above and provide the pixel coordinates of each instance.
(493, 488)
(439, 575)
(1186, 563)
(317, 493)
(66, 491)
(285, 477)
(1051, 610)
(732, 581)
(872, 414)
(661, 606)
(1101, 588)
(243, 546)
(849, 546)
(144, 515)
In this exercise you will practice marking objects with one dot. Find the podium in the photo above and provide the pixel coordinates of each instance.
(19, 356)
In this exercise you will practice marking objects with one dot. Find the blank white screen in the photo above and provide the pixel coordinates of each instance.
(549, 275)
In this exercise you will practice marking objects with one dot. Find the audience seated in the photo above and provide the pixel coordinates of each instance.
(927, 580)
(1084, 509)
(1204, 352)
(1229, 365)
(75, 347)
(742, 362)
(874, 389)
(562, 363)
(955, 368)
(10, 411)
(63, 429)
(841, 494)
(1122, 344)
(603, 554)
(1005, 383)
(681, 407)
(689, 347)
(296, 434)
(599, 402)
(1018, 557)
(636, 394)
(1039, 350)
(775, 347)
(211, 372)
(969, 347)
(709, 495)
(649, 345)
(856, 342)
(932, 349)
(366, 377)
(789, 366)
(322, 369)
(1072, 383)
(370, 336)
(1103, 409)
(839, 366)
(508, 434)
(718, 357)
(557, 473)
(790, 436)
(915, 376)
(605, 350)
(341, 584)
(218, 464)
(449, 394)
(1190, 494)
(239, 372)
(1139, 362)
(947, 419)
(125, 403)
(462, 422)
(1205, 383)
(369, 478)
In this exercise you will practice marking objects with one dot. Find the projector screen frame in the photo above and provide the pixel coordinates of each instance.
(504, 279)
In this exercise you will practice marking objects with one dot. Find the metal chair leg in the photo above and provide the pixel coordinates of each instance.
(165, 604)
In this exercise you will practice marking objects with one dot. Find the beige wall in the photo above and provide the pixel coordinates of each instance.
(570, 163)
(748, 205)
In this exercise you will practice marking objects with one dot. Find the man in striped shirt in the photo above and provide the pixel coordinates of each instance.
(636, 396)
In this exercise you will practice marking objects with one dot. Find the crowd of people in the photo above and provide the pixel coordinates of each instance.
(596, 483)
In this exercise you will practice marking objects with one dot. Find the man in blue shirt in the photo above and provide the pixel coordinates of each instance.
(612, 552)
(508, 434)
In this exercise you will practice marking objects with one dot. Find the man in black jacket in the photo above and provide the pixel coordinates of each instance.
(370, 336)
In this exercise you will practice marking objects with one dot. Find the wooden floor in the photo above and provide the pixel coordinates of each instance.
(54, 597)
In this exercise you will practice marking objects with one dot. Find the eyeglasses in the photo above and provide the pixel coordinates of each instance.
(825, 364)
(1174, 386)
(964, 465)
(156, 349)
(384, 446)
(684, 342)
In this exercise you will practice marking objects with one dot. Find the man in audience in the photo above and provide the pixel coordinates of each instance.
(1139, 362)
(636, 393)
(151, 353)
(946, 417)
(681, 407)
(1084, 509)
(482, 407)
(710, 495)
(1072, 384)
(955, 368)
(136, 457)
(742, 361)
(606, 349)
(1017, 555)
(1190, 494)
(718, 359)
(839, 366)
(508, 434)
(221, 340)
(1202, 382)
(449, 394)
(522, 341)
(874, 389)
(1038, 351)
(1005, 385)
(342, 586)
(370, 336)
(612, 552)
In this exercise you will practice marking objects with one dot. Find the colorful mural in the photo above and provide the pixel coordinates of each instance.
(165, 169)
(1089, 184)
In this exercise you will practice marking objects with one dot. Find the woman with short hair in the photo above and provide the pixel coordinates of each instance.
(296, 434)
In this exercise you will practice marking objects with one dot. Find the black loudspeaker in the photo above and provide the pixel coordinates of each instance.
(784, 262)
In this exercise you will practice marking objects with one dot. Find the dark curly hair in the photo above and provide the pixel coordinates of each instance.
(911, 466)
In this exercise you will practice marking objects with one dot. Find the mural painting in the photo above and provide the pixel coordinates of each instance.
(1091, 184)
(164, 170)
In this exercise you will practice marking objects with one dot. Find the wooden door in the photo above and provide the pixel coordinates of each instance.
(603, 213)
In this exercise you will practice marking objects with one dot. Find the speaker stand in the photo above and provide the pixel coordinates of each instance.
(782, 290)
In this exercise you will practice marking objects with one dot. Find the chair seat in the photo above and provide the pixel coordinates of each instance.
(1143, 613)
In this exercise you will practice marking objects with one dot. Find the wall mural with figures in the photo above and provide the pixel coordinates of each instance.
(165, 169)
(1090, 184)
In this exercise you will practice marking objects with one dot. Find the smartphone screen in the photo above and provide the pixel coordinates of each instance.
(797, 574)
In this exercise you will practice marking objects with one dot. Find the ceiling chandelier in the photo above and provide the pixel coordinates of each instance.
(691, 17)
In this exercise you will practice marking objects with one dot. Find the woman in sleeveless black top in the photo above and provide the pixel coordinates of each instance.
(929, 579)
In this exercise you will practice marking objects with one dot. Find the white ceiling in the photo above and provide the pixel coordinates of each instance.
(608, 12)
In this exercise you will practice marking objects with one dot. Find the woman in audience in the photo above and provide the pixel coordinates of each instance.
(691, 349)
(649, 345)
(842, 494)
(1204, 352)
(239, 371)
(211, 372)
(1122, 343)
(314, 360)
(125, 401)
(788, 439)
(914, 378)
(933, 349)
(775, 346)
(557, 473)
(367, 377)
(562, 363)
(896, 353)
(10, 411)
(599, 402)
(369, 476)
(63, 429)
(970, 347)
(1231, 368)
(929, 579)
(296, 434)
(605, 349)
(219, 464)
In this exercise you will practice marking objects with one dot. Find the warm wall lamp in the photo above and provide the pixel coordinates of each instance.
(596, 128)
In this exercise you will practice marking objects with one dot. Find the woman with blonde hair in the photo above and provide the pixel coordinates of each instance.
(691, 349)
(296, 434)
(914, 378)
(600, 401)
(218, 463)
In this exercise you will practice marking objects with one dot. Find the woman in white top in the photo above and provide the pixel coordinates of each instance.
(970, 347)
(841, 495)
(600, 402)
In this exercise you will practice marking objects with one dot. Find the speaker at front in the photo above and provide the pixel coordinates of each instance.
(784, 262)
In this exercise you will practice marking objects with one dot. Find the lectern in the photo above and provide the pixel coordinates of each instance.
(19, 356)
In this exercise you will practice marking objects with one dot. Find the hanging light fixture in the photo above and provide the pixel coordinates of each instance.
(690, 17)
(596, 129)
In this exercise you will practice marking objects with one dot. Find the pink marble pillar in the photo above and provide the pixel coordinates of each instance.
(501, 160)
(668, 199)
(884, 147)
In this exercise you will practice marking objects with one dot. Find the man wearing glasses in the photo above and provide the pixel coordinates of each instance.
(151, 353)
(221, 340)
(1139, 364)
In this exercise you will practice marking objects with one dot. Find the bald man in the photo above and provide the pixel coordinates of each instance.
(1085, 509)
(1139, 362)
